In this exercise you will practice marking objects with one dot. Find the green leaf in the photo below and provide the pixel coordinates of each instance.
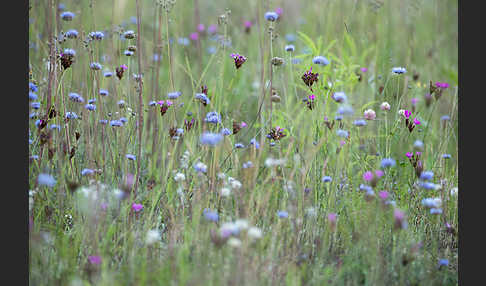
(308, 41)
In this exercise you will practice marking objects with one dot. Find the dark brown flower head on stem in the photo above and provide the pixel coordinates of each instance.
(276, 133)
(239, 60)
(120, 70)
(309, 78)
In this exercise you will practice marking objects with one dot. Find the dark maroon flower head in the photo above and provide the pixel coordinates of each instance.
(276, 133)
(120, 70)
(309, 78)
(239, 60)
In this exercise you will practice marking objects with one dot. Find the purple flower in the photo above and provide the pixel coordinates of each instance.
(210, 215)
(283, 214)
(87, 171)
(211, 139)
(46, 180)
(407, 114)
(94, 259)
(137, 207)
(67, 16)
(194, 36)
(364, 69)
(368, 176)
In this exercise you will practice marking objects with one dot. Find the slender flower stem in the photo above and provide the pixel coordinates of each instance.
(140, 98)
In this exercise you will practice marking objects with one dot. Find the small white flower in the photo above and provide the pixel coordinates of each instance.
(454, 191)
(225, 192)
(254, 232)
(234, 242)
(179, 177)
(152, 237)
(401, 112)
(369, 114)
(235, 184)
(221, 176)
(385, 106)
(241, 224)
(269, 162)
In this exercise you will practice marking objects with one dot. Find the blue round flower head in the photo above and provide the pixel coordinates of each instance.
(103, 121)
(427, 175)
(128, 53)
(345, 110)
(32, 96)
(342, 133)
(326, 179)
(289, 48)
(183, 41)
(96, 35)
(428, 185)
(103, 92)
(366, 188)
(116, 123)
(75, 97)
(203, 98)
(339, 96)
(445, 118)
(419, 145)
(320, 60)
(239, 146)
(123, 119)
(213, 117)
(95, 66)
(360, 122)
(271, 16)
(283, 214)
(247, 165)
(290, 38)
(86, 172)
(210, 215)
(46, 180)
(71, 115)
(72, 34)
(91, 101)
(35, 105)
(211, 139)
(435, 211)
(32, 87)
(174, 95)
(254, 142)
(90, 107)
(399, 70)
(131, 157)
(67, 16)
(108, 74)
(388, 162)
(443, 262)
(446, 156)
(226, 131)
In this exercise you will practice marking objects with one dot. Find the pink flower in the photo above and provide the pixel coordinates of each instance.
(383, 195)
(379, 173)
(104, 206)
(369, 114)
(212, 29)
(414, 101)
(368, 176)
(409, 155)
(407, 114)
(94, 259)
(385, 106)
(169, 103)
(342, 142)
(243, 124)
(137, 207)
(332, 217)
(194, 36)
(312, 97)
(200, 28)
(364, 69)
(418, 153)
(124, 67)
(279, 11)
(248, 24)
(416, 121)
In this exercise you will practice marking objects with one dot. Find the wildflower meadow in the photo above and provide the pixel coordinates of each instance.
(279, 142)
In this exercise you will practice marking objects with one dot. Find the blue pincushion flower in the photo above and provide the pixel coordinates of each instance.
(225, 132)
(339, 96)
(90, 107)
(427, 175)
(446, 156)
(345, 110)
(103, 92)
(210, 215)
(213, 117)
(32, 96)
(326, 179)
(211, 139)
(283, 214)
(289, 48)
(174, 95)
(360, 122)
(131, 157)
(67, 16)
(443, 262)
(271, 16)
(97, 35)
(32, 87)
(108, 74)
(71, 115)
(87, 171)
(320, 60)
(116, 123)
(342, 133)
(239, 146)
(387, 162)
(35, 105)
(72, 34)
(75, 97)
(95, 66)
(202, 98)
(399, 70)
(46, 180)
(254, 142)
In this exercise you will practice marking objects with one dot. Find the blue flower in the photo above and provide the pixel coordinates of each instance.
(419, 145)
(121, 103)
(103, 92)
(128, 53)
(32, 96)
(90, 107)
(388, 162)
(203, 98)
(326, 179)
(174, 95)
(446, 156)
(200, 167)
(67, 16)
(46, 180)
(152, 103)
(183, 41)
(210, 215)
(32, 87)
(213, 117)
(427, 175)
(338, 117)
(290, 38)
(428, 185)
(75, 97)
(103, 121)
(131, 157)
(445, 118)
(226, 131)
(87, 171)
(55, 126)
(271, 16)
(96, 35)
(72, 34)
(35, 105)
(345, 110)
(95, 66)
(91, 101)
(211, 139)
(283, 214)
(399, 70)
(320, 60)
(253, 141)
(71, 115)
(339, 96)
(443, 262)
(116, 123)
(69, 52)
(239, 145)
(247, 165)
(289, 48)
(123, 120)
(108, 74)
(366, 188)
(342, 133)
(360, 122)
(435, 211)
